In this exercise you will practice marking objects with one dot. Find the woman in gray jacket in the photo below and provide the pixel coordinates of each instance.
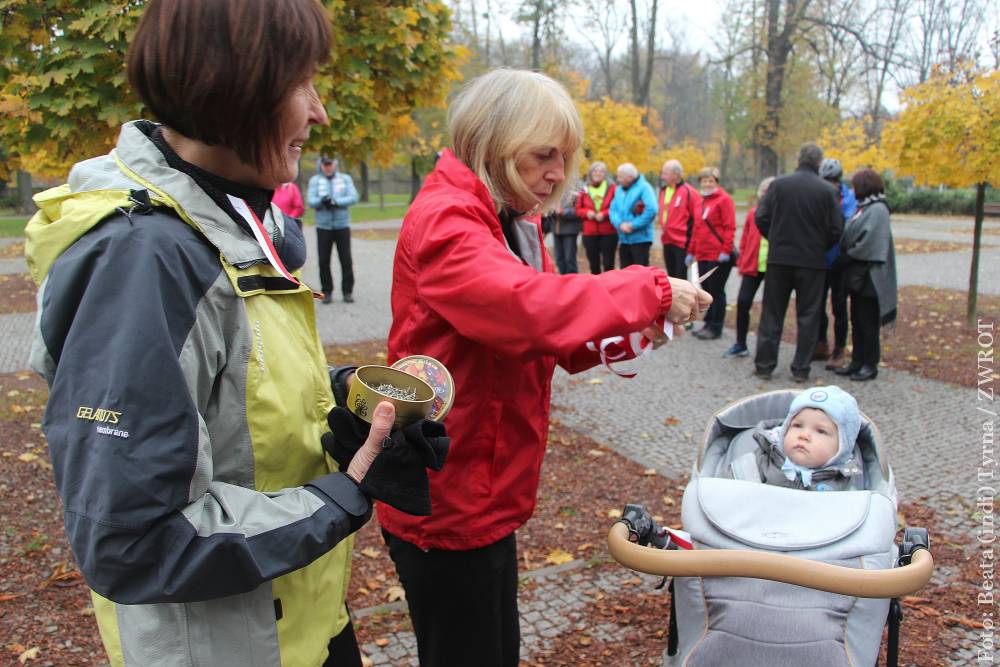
(869, 275)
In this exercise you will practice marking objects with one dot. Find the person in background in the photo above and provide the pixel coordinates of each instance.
(197, 498)
(288, 198)
(869, 274)
(712, 246)
(633, 210)
(831, 171)
(565, 224)
(331, 193)
(680, 206)
(800, 217)
(752, 265)
(600, 239)
(473, 287)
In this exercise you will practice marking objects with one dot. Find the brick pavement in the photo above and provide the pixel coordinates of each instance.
(930, 428)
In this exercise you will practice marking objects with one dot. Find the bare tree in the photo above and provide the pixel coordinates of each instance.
(641, 76)
(882, 57)
(605, 17)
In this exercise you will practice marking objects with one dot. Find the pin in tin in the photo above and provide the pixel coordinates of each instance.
(435, 374)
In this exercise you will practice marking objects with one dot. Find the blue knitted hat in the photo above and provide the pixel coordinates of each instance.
(840, 407)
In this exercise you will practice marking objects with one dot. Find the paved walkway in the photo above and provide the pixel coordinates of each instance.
(931, 428)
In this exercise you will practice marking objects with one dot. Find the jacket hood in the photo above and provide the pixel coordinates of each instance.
(100, 186)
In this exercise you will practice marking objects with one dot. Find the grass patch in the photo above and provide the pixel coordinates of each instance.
(13, 225)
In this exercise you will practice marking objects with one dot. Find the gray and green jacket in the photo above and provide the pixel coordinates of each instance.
(188, 394)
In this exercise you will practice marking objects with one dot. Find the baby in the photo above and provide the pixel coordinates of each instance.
(812, 448)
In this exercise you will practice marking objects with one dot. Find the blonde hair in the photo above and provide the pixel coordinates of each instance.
(711, 172)
(501, 117)
(764, 185)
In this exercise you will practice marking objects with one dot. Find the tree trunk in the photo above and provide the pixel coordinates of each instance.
(25, 205)
(364, 181)
(634, 53)
(381, 189)
(536, 38)
(650, 54)
(414, 179)
(977, 239)
(779, 46)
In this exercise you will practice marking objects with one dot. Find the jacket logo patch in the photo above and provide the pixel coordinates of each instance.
(97, 415)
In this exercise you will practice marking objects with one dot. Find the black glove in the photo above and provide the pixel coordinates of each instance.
(398, 475)
(326, 202)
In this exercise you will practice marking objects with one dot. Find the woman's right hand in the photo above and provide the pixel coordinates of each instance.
(687, 301)
(382, 419)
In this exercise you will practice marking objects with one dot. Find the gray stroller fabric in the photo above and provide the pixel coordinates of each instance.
(758, 623)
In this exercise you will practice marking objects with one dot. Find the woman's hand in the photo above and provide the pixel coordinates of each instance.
(382, 420)
(687, 301)
(591, 215)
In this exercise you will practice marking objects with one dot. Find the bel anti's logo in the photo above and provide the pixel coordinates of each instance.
(97, 415)
(818, 396)
(102, 416)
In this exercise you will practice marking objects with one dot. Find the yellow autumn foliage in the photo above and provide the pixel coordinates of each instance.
(848, 143)
(613, 133)
(693, 157)
(948, 131)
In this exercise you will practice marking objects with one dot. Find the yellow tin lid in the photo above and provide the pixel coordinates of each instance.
(434, 373)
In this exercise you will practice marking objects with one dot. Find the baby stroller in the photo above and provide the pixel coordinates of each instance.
(767, 575)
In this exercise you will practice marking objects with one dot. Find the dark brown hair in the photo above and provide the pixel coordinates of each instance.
(867, 182)
(222, 71)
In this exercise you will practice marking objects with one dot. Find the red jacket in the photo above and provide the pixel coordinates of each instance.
(718, 210)
(585, 204)
(289, 200)
(683, 208)
(749, 259)
(500, 326)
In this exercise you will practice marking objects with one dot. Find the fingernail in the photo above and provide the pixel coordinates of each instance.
(383, 410)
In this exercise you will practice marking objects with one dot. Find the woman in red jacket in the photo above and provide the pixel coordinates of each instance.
(751, 264)
(712, 246)
(474, 287)
(600, 238)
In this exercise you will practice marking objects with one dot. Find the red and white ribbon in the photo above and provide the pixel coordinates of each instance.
(623, 348)
(680, 538)
(264, 240)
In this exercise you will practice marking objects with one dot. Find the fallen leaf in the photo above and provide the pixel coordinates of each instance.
(87, 611)
(585, 546)
(667, 500)
(27, 457)
(595, 452)
(649, 472)
(614, 514)
(585, 641)
(671, 421)
(558, 557)
(367, 662)
(560, 526)
(30, 654)
(394, 593)
(595, 381)
(381, 642)
(10, 596)
(371, 552)
(372, 584)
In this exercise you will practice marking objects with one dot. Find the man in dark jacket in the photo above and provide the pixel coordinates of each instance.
(800, 217)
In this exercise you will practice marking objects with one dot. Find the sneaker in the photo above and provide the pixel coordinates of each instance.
(327, 298)
(707, 334)
(348, 298)
(836, 359)
(736, 350)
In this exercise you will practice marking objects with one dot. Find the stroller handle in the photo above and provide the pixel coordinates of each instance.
(856, 582)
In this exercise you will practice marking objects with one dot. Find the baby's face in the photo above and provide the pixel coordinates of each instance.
(812, 438)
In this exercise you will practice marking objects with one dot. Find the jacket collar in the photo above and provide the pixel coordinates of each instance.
(142, 162)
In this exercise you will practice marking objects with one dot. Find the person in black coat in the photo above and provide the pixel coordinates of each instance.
(800, 217)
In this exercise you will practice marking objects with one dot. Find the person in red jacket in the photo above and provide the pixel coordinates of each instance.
(677, 215)
(600, 239)
(473, 286)
(712, 246)
(288, 198)
(751, 264)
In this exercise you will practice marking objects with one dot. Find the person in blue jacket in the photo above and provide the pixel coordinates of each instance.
(331, 192)
(632, 212)
(831, 171)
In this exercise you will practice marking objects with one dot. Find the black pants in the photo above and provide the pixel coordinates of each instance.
(715, 284)
(343, 648)
(601, 252)
(463, 604)
(744, 302)
(565, 245)
(325, 239)
(673, 257)
(838, 303)
(865, 330)
(778, 285)
(633, 253)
